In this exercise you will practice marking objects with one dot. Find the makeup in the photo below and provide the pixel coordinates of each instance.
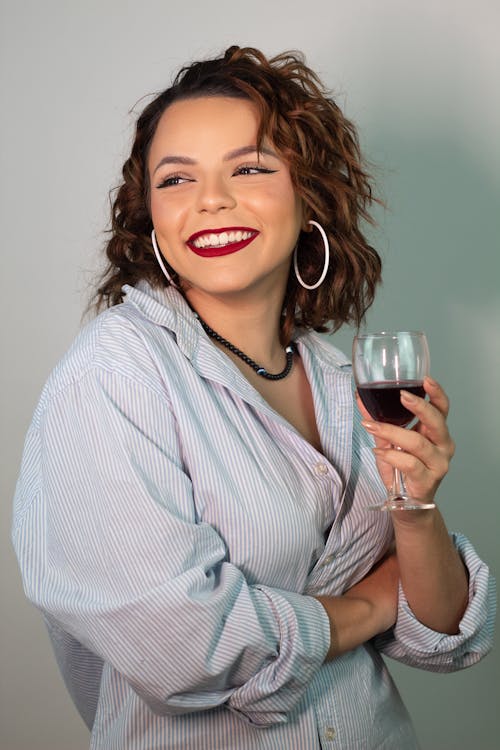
(213, 243)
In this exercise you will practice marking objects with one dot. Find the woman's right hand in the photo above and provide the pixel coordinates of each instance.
(367, 609)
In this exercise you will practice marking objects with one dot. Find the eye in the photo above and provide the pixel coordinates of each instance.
(250, 169)
(172, 180)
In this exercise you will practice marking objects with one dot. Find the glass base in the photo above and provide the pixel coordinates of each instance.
(401, 503)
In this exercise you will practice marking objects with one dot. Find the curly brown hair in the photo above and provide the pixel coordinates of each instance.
(321, 147)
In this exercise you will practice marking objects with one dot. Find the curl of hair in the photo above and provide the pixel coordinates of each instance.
(321, 147)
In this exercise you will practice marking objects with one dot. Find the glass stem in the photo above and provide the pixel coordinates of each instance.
(398, 489)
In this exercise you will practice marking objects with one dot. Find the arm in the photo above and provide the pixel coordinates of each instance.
(377, 603)
(433, 576)
(413, 643)
(111, 550)
(446, 604)
(373, 609)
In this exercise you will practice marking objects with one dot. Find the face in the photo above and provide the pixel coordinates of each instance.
(226, 217)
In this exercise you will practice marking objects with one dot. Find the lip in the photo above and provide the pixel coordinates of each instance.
(215, 252)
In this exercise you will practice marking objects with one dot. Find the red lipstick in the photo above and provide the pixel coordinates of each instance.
(219, 250)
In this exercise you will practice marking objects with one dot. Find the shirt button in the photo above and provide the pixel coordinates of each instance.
(329, 733)
(328, 559)
(320, 469)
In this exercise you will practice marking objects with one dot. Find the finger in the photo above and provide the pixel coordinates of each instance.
(379, 440)
(437, 395)
(425, 411)
(422, 458)
(418, 479)
(434, 455)
(432, 421)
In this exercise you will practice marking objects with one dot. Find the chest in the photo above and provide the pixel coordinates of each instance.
(292, 399)
(257, 474)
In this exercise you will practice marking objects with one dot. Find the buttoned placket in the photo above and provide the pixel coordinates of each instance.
(329, 734)
(337, 441)
(216, 365)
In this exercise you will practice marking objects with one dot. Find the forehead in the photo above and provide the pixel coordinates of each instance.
(193, 127)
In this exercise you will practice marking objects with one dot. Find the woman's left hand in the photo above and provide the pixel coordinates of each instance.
(426, 449)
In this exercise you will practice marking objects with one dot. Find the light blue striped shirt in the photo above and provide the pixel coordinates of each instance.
(171, 527)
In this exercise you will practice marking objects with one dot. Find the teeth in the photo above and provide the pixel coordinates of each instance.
(219, 240)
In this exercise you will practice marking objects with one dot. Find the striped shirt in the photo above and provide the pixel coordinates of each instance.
(174, 531)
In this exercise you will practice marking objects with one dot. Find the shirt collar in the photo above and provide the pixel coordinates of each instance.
(167, 307)
(321, 347)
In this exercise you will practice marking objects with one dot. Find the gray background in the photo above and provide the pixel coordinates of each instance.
(421, 80)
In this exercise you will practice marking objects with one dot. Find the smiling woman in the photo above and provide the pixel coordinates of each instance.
(273, 115)
(191, 511)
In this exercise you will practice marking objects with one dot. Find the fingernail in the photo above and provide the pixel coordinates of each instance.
(431, 380)
(408, 397)
(370, 426)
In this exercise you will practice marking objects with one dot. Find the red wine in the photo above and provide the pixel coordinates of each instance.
(382, 400)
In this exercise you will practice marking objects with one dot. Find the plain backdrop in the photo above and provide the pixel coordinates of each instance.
(421, 82)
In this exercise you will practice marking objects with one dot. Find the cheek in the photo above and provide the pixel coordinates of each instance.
(291, 212)
(279, 204)
(289, 202)
(154, 207)
(166, 217)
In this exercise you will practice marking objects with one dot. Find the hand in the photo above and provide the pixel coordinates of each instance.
(426, 449)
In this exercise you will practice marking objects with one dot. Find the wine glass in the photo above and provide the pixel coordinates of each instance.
(383, 364)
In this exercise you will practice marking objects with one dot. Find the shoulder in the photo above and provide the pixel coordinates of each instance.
(323, 352)
(122, 343)
(112, 341)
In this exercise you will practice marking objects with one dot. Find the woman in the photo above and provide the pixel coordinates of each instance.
(190, 515)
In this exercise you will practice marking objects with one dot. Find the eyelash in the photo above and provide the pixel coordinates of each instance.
(259, 170)
(170, 180)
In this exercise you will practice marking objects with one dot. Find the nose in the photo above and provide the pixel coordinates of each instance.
(214, 194)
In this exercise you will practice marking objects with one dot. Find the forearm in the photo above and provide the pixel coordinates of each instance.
(367, 609)
(352, 622)
(433, 576)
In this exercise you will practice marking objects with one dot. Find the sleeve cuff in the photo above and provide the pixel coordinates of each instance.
(304, 640)
(475, 634)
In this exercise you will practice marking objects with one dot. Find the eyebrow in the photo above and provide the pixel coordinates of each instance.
(237, 152)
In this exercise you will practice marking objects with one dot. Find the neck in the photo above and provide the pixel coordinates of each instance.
(251, 325)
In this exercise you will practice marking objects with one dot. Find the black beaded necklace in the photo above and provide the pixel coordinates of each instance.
(289, 350)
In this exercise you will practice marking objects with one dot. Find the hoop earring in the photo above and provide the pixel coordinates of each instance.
(327, 259)
(159, 259)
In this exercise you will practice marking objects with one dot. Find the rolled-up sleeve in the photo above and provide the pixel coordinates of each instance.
(415, 644)
(304, 639)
